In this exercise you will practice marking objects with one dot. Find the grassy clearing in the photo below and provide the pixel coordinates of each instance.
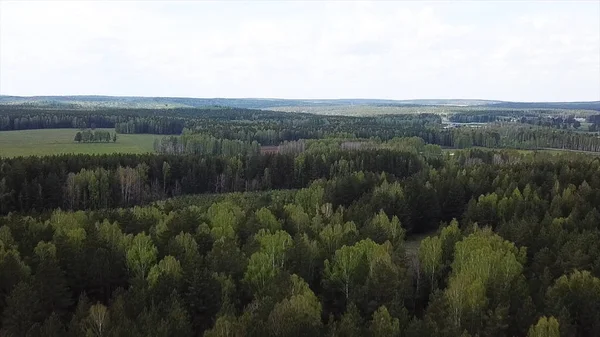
(60, 141)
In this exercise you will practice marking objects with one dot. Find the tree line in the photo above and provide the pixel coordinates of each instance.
(35, 183)
(195, 143)
(89, 136)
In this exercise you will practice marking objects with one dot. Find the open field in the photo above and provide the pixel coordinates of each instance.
(60, 141)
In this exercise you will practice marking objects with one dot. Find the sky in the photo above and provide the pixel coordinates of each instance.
(505, 50)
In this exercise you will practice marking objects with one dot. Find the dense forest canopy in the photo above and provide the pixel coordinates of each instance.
(262, 223)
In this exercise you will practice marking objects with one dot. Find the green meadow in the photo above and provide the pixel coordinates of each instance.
(61, 141)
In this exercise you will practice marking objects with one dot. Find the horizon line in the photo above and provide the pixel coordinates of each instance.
(302, 99)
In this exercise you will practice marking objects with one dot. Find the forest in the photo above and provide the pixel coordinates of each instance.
(262, 223)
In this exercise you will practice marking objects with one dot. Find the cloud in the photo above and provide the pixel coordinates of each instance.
(307, 49)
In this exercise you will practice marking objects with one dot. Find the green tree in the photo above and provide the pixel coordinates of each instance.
(275, 245)
(267, 220)
(310, 199)
(260, 272)
(166, 172)
(49, 281)
(22, 311)
(12, 269)
(305, 257)
(141, 255)
(203, 298)
(52, 327)
(297, 315)
(78, 137)
(545, 327)
(449, 236)
(298, 218)
(351, 264)
(350, 324)
(226, 326)
(98, 321)
(430, 256)
(383, 324)
(185, 249)
(168, 268)
(79, 321)
(382, 229)
(224, 219)
(577, 295)
(483, 264)
(334, 236)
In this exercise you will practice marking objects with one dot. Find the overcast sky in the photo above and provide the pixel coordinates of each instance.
(508, 50)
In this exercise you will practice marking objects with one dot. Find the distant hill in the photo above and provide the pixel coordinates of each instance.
(594, 105)
(265, 103)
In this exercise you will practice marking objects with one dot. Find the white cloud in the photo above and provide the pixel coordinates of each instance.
(312, 49)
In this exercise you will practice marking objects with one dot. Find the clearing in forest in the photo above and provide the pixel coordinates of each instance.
(61, 141)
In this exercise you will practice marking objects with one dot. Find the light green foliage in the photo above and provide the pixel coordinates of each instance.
(435, 252)
(337, 216)
(578, 296)
(333, 236)
(410, 144)
(111, 234)
(224, 219)
(226, 326)
(150, 215)
(545, 327)
(99, 321)
(267, 220)
(168, 266)
(6, 238)
(274, 245)
(482, 261)
(298, 217)
(185, 248)
(449, 236)
(260, 271)
(383, 324)
(266, 263)
(311, 198)
(351, 264)
(432, 151)
(386, 190)
(297, 315)
(201, 143)
(485, 211)
(381, 226)
(141, 255)
(430, 256)
(45, 250)
(69, 225)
